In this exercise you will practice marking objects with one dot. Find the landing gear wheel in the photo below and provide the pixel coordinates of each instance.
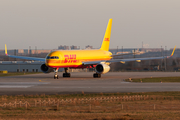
(96, 75)
(66, 74)
(56, 76)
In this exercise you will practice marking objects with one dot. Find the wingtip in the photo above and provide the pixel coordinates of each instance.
(6, 49)
(173, 51)
(110, 20)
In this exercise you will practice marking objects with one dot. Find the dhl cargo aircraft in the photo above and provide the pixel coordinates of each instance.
(99, 59)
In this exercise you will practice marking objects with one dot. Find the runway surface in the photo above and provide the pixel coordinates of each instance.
(111, 82)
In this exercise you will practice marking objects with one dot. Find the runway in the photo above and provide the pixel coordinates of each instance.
(111, 82)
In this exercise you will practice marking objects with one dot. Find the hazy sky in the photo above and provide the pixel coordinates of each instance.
(50, 23)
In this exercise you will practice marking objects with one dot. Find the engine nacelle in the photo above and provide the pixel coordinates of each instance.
(46, 69)
(102, 68)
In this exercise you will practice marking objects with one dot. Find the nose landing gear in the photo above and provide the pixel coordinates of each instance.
(66, 74)
(55, 74)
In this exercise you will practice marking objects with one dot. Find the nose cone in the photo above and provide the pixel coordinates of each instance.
(53, 59)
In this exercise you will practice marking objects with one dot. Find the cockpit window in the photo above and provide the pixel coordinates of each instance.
(52, 57)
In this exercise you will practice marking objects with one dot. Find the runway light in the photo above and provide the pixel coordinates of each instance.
(39, 80)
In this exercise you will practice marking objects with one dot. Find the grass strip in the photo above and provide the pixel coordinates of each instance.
(158, 108)
(176, 95)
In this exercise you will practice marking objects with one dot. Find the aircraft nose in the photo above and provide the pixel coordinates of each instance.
(47, 62)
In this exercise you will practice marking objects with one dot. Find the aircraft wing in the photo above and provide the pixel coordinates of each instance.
(24, 57)
(92, 62)
(128, 60)
(135, 59)
(27, 58)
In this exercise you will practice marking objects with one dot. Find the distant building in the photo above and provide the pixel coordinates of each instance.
(73, 47)
(22, 66)
(63, 47)
(26, 52)
(151, 49)
(89, 47)
(40, 51)
(30, 51)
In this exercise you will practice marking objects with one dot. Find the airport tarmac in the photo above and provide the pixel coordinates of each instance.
(111, 82)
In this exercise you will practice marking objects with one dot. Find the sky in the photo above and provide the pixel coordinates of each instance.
(46, 24)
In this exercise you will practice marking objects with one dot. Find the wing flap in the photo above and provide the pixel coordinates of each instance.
(27, 58)
(93, 62)
(134, 59)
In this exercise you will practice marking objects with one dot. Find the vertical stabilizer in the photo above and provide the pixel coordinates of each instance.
(106, 40)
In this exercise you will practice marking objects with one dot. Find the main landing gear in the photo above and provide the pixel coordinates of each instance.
(96, 75)
(66, 74)
(55, 74)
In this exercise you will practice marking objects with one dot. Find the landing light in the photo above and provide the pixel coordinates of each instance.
(122, 62)
(138, 60)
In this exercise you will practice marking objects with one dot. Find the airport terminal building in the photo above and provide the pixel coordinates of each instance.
(20, 66)
(27, 66)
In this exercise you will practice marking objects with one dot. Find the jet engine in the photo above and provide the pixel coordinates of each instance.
(46, 69)
(102, 68)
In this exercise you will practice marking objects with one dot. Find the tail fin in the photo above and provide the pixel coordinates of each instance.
(106, 40)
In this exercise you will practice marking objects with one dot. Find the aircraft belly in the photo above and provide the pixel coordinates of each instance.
(71, 63)
(64, 65)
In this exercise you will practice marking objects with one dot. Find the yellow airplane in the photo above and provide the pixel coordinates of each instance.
(99, 59)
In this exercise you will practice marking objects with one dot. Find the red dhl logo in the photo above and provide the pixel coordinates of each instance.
(73, 56)
(106, 39)
(70, 58)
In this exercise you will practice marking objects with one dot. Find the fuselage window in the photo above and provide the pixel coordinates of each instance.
(52, 57)
(48, 57)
